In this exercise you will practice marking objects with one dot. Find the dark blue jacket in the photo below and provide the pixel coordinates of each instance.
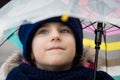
(28, 72)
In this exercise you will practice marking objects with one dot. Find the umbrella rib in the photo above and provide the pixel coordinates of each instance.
(115, 25)
(8, 37)
(104, 25)
(93, 25)
(112, 27)
(89, 25)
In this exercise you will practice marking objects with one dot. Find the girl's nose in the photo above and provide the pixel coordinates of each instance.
(56, 36)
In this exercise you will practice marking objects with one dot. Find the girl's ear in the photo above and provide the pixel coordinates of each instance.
(32, 57)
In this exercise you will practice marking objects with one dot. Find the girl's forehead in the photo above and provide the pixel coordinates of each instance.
(55, 24)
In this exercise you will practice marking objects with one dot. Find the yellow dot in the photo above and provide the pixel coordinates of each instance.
(65, 17)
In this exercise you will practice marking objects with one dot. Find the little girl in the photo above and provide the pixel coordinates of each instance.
(52, 50)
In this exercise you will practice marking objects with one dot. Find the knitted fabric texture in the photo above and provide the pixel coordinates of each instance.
(28, 72)
(27, 32)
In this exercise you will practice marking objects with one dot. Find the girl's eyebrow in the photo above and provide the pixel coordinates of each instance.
(63, 25)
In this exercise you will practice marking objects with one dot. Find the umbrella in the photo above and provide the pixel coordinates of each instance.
(3, 2)
(101, 15)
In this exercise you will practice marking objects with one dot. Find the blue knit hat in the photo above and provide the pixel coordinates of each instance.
(27, 32)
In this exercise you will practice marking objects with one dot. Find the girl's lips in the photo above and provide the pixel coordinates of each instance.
(55, 48)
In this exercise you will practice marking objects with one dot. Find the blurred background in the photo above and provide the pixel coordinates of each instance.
(3, 52)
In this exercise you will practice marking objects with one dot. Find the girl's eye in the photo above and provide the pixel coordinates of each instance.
(65, 31)
(43, 31)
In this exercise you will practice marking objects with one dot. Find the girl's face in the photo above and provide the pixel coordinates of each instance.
(54, 47)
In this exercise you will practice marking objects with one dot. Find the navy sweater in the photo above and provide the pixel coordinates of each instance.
(28, 72)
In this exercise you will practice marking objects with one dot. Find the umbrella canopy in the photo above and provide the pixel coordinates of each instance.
(33, 10)
(88, 11)
(110, 42)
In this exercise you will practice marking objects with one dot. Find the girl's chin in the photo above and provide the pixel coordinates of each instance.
(58, 63)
